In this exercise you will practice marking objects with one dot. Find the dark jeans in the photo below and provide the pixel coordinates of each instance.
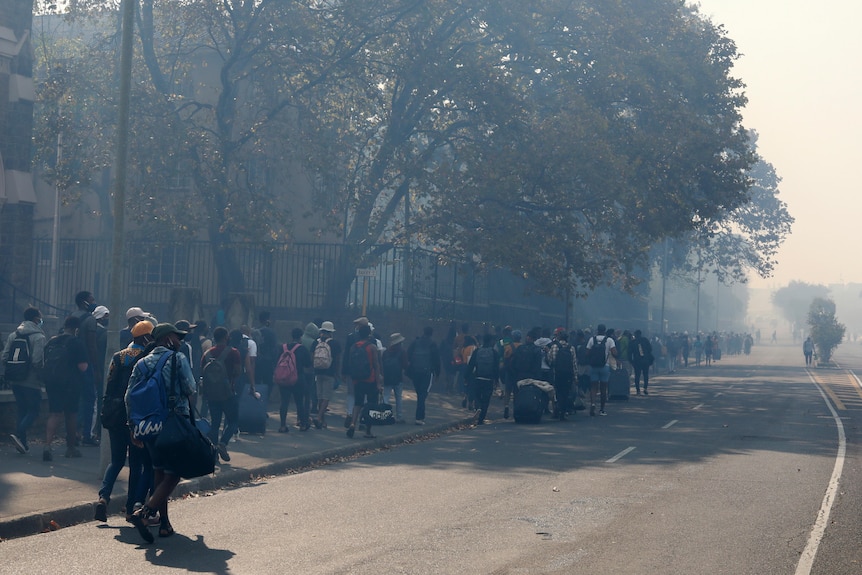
(563, 391)
(141, 480)
(422, 383)
(484, 389)
(297, 392)
(28, 401)
(120, 442)
(230, 409)
(641, 369)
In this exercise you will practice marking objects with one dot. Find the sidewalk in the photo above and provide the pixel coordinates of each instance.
(33, 493)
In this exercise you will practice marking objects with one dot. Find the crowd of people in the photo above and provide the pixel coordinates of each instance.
(206, 373)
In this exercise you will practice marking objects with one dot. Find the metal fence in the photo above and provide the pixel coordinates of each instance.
(293, 277)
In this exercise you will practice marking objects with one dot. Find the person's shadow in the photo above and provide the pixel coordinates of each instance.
(182, 552)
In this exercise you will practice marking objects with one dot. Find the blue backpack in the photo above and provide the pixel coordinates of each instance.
(148, 401)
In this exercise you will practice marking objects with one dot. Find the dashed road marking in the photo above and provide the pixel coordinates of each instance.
(620, 455)
(670, 424)
(698, 406)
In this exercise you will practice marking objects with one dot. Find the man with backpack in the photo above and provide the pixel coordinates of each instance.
(325, 357)
(366, 375)
(351, 340)
(484, 369)
(268, 349)
(293, 365)
(164, 367)
(22, 361)
(507, 375)
(600, 348)
(641, 358)
(563, 362)
(423, 365)
(66, 361)
(220, 367)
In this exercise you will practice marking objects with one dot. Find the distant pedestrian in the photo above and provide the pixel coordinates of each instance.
(641, 358)
(808, 351)
(394, 361)
(423, 365)
(484, 370)
(324, 376)
(600, 346)
(22, 363)
(303, 364)
(349, 342)
(220, 368)
(563, 360)
(367, 377)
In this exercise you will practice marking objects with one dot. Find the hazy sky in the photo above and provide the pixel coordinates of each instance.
(801, 64)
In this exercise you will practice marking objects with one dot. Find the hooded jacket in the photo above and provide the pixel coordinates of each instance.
(37, 352)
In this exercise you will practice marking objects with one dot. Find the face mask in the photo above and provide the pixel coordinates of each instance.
(92, 307)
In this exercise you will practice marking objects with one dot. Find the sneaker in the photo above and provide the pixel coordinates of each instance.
(19, 445)
(420, 422)
(506, 413)
(646, 392)
(101, 513)
(222, 452)
(348, 421)
(47, 455)
(603, 412)
(73, 452)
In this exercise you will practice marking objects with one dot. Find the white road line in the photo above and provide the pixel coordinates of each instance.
(806, 560)
(719, 394)
(697, 406)
(671, 424)
(620, 455)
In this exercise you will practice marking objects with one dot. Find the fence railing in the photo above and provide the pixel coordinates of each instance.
(291, 277)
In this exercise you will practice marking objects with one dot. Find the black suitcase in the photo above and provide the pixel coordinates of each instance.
(252, 411)
(618, 384)
(530, 403)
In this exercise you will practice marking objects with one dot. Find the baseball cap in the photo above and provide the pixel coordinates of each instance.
(100, 312)
(142, 328)
(164, 329)
(136, 312)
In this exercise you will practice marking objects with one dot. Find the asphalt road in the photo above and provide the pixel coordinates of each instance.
(720, 470)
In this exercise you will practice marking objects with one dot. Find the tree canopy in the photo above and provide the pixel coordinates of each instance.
(556, 138)
(826, 332)
(796, 298)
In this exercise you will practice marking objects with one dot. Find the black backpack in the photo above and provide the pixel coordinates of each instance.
(563, 359)
(57, 360)
(360, 364)
(420, 359)
(215, 381)
(485, 362)
(18, 361)
(522, 359)
(598, 357)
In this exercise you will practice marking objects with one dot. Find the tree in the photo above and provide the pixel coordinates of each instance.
(826, 332)
(793, 299)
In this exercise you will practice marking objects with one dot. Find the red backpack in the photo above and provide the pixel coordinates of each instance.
(285, 370)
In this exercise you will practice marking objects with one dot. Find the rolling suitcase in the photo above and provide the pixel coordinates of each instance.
(252, 411)
(619, 384)
(530, 403)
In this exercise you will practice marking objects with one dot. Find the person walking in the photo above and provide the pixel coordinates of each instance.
(220, 367)
(600, 348)
(178, 377)
(423, 365)
(324, 376)
(641, 358)
(367, 377)
(484, 371)
(808, 351)
(563, 360)
(115, 420)
(22, 360)
(66, 362)
(395, 363)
